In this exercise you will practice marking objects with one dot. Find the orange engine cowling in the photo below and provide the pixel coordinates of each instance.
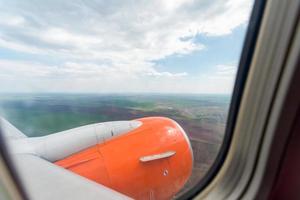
(153, 161)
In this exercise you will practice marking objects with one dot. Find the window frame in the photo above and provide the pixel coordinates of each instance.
(9, 179)
(243, 174)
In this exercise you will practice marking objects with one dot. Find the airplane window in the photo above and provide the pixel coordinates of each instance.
(122, 98)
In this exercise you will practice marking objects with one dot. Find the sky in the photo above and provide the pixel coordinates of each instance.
(118, 46)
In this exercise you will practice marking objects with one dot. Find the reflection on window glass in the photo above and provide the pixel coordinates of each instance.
(157, 70)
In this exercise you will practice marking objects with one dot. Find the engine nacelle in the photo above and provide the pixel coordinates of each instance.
(153, 161)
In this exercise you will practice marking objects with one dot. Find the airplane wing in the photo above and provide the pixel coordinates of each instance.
(44, 180)
(10, 132)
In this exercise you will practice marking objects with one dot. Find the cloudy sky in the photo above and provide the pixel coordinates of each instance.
(173, 46)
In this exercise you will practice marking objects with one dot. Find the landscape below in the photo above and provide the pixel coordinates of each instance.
(203, 117)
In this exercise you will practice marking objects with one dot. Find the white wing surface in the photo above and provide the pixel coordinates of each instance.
(46, 181)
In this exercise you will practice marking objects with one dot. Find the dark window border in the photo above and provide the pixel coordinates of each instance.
(10, 167)
(241, 77)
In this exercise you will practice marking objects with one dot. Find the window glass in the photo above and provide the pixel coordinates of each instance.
(66, 64)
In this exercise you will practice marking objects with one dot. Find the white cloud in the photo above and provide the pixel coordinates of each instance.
(226, 70)
(114, 39)
(72, 70)
(89, 77)
(155, 73)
